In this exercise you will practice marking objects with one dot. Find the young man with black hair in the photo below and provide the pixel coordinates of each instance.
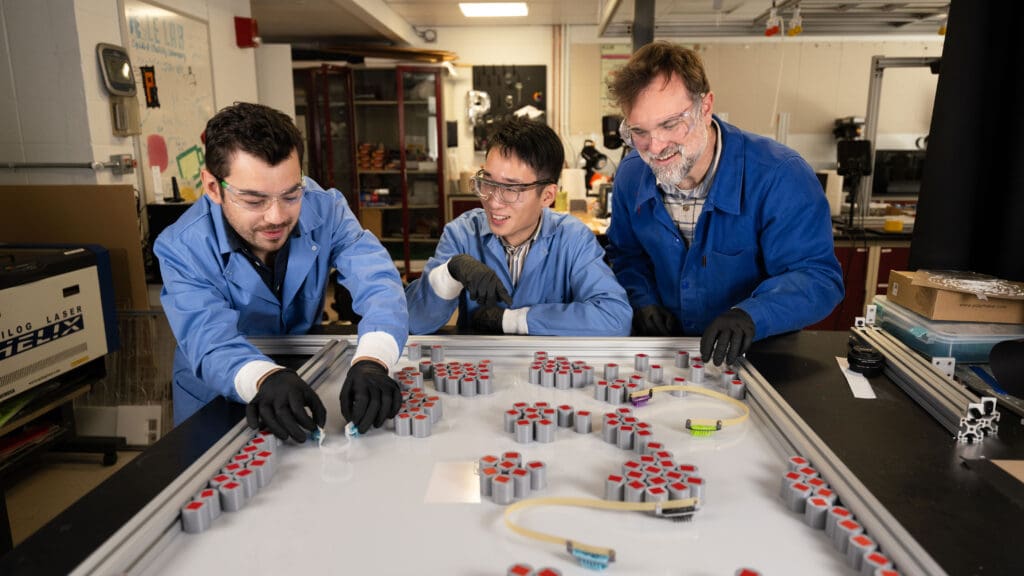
(514, 266)
(252, 258)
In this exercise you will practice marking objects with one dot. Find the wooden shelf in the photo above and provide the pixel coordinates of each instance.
(386, 110)
(412, 239)
(390, 102)
(398, 207)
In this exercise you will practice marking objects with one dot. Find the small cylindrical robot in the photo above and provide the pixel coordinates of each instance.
(565, 416)
(697, 373)
(611, 371)
(414, 351)
(641, 362)
(544, 431)
(437, 354)
(614, 487)
(815, 511)
(421, 425)
(583, 423)
(538, 475)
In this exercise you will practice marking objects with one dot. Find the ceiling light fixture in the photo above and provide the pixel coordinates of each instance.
(493, 9)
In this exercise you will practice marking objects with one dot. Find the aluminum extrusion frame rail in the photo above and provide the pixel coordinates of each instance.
(794, 436)
(950, 404)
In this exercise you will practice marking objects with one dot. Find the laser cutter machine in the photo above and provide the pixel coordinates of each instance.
(56, 312)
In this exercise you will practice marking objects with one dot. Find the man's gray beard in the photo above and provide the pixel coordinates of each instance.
(675, 173)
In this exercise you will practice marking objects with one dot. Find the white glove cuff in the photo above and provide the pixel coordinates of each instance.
(443, 283)
(379, 345)
(514, 321)
(249, 375)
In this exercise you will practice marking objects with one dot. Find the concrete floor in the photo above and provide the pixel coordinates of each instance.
(47, 487)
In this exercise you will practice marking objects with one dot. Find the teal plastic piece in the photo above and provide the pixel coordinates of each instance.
(590, 560)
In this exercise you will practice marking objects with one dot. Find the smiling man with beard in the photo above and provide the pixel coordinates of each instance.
(252, 258)
(714, 231)
(514, 266)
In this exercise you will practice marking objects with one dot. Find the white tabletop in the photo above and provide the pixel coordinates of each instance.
(383, 504)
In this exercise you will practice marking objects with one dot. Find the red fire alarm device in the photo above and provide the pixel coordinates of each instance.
(246, 34)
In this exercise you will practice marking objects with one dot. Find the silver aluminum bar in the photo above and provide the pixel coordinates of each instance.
(948, 387)
(914, 365)
(945, 412)
(944, 400)
(297, 345)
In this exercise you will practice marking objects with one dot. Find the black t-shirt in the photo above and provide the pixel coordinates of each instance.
(273, 277)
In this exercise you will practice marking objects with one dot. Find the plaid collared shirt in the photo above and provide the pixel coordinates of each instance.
(516, 255)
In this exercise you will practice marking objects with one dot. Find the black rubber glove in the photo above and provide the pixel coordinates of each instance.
(654, 320)
(487, 320)
(280, 405)
(728, 336)
(369, 396)
(483, 284)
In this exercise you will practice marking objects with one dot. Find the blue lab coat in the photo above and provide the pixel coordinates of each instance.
(565, 282)
(214, 298)
(763, 241)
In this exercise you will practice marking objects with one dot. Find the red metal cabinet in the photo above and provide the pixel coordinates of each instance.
(854, 261)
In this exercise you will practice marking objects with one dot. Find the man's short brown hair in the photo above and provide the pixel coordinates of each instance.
(656, 59)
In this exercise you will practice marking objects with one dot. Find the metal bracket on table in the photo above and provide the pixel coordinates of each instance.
(966, 416)
(945, 363)
(869, 314)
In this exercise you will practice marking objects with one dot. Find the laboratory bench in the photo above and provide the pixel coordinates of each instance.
(387, 504)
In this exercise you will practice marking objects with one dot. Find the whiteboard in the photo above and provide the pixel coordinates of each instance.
(384, 504)
(177, 47)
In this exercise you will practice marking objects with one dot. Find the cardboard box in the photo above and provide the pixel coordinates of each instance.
(138, 425)
(958, 296)
(372, 220)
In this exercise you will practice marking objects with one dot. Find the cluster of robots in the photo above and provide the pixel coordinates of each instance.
(237, 483)
(508, 478)
(805, 492)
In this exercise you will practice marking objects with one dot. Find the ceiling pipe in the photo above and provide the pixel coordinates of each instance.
(606, 17)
